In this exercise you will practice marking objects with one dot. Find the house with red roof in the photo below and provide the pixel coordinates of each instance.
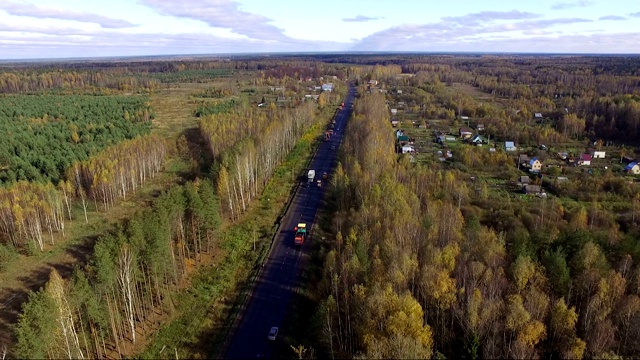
(585, 160)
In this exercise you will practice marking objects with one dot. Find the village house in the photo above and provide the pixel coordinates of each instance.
(585, 160)
(465, 133)
(327, 87)
(535, 165)
(480, 127)
(632, 168)
(407, 149)
(532, 189)
(510, 146)
(524, 180)
(523, 160)
(598, 154)
(478, 140)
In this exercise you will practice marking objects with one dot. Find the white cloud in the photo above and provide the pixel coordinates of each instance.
(222, 14)
(29, 10)
(361, 18)
(612, 17)
(569, 5)
(489, 16)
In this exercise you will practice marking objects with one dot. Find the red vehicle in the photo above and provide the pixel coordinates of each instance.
(301, 233)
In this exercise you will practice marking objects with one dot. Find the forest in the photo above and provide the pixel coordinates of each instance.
(48, 133)
(421, 258)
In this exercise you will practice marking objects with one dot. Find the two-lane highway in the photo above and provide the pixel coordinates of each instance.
(272, 293)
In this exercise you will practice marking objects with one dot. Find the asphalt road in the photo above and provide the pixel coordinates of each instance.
(272, 293)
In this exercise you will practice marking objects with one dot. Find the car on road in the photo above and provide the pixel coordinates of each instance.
(273, 333)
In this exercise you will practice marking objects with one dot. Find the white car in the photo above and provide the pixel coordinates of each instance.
(273, 333)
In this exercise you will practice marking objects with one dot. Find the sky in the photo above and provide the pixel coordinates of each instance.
(45, 29)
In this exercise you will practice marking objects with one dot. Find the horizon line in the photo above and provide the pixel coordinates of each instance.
(303, 53)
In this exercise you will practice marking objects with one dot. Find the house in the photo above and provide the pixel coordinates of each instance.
(523, 159)
(535, 165)
(632, 168)
(327, 87)
(537, 115)
(394, 123)
(465, 133)
(394, 111)
(407, 149)
(314, 97)
(478, 140)
(464, 117)
(480, 127)
(404, 138)
(510, 146)
(598, 154)
(532, 189)
(524, 180)
(373, 83)
(585, 160)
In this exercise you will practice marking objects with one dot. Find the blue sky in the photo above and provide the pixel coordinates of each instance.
(96, 28)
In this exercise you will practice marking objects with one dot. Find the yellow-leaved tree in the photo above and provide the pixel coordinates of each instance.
(395, 328)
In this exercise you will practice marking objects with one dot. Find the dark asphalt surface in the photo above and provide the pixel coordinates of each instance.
(272, 293)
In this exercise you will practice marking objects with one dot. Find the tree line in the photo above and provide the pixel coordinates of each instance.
(30, 210)
(249, 143)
